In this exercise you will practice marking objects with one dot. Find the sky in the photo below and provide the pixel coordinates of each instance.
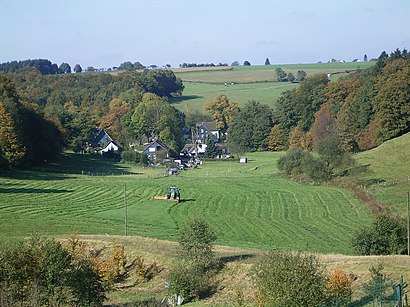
(106, 33)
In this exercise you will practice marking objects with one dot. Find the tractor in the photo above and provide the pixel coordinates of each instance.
(173, 194)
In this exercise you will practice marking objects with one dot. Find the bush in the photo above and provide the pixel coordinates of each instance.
(196, 243)
(288, 279)
(191, 277)
(339, 288)
(40, 272)
(386, 235)
(185, 281)
(295, 162)
(134, 157)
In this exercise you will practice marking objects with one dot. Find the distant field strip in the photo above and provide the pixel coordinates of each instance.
(245, 204)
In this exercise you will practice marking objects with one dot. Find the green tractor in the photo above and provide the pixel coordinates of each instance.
(173, 194)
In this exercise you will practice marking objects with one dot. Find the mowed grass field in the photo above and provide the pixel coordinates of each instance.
(245, 83)
(248, 205)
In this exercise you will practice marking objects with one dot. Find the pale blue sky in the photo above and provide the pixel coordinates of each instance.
(105, 33)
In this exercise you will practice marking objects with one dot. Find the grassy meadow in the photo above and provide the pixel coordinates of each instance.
(248, 205)
(388, 176)
(244, 83)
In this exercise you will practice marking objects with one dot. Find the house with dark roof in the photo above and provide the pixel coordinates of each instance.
(207, 128)
(155, 149)
(102, 142)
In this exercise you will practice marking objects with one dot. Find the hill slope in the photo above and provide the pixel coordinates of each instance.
(388, 178)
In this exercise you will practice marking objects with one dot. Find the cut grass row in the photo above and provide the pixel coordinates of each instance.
(246, 204)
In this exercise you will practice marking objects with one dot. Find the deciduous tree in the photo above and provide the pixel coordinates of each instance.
(222, 111)
(251, 126)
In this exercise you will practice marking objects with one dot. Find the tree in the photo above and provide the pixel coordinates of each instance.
(289, 279)
(126, 66)
(267, 62)
(222, 111)
(290, 77)
(280, 75)
(251, 126)
(332, 153)
(235, 63)
(77, 68)
(212, 150)
(301, 75)
(295, 162)
(385, 236)
(161, 82)
(365, 58)
(296, 138)
(191, 276)
(246, 63)
(339, 286)
(11, 131)
(196, 242)
(65, 68)
(154, 117)
(392, 105)
(324, 124)
(278, 139)
(40, 272)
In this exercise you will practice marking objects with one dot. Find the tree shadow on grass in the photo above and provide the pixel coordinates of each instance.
(364, 301)
(179, 99)
(226, 259)
(18, 190)
(69, 165)
(187, 200)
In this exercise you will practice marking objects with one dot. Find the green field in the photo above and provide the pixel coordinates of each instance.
(245, 83)
(388, 178)
(248, 205)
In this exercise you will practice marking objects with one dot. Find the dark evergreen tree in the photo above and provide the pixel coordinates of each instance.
(212, 149)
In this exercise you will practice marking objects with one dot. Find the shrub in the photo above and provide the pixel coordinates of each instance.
(339, 287)
(196, 243)
(191, 277)
(386, 235)
(295, 162)
(40, 272)
(185, 281)
(287, 279)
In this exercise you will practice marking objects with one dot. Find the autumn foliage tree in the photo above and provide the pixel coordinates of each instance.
(222, 111)
(392, 105)
(339, 287)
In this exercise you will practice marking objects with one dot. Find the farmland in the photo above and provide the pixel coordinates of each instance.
(244, 83)
(248, 205)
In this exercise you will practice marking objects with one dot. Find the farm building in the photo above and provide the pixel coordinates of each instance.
(102, 142)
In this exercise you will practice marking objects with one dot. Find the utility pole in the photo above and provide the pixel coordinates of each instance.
(125, 209)
(408, 223)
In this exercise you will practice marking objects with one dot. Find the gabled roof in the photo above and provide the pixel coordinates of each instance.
(210, 126)
(189, 148)
(101, 139)
(155, 143)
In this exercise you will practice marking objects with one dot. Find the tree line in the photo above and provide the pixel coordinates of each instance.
(362, 110)
(64, 108)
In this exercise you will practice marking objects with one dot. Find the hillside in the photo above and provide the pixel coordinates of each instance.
(233, 282)
(248, 205)
(244, 83)
(388, 178)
